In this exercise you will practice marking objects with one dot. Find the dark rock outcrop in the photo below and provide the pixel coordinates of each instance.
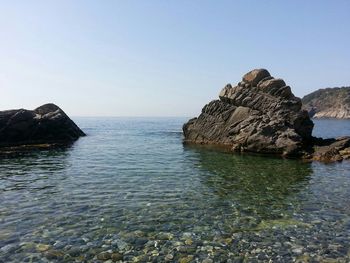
(261, 115)
(46, 125)
(328, 103)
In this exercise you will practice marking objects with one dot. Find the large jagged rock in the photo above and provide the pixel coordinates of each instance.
(261, 115)
(47, 125)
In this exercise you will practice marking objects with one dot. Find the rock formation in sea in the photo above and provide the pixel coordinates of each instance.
(328, 103)
(261, 115)
(47, 125)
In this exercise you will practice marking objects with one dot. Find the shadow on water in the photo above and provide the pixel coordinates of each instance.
(29, 170)
(266, 187)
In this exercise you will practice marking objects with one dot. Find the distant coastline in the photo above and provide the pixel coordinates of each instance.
(328, 103)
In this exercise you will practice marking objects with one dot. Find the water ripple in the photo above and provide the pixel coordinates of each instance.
(131, 182)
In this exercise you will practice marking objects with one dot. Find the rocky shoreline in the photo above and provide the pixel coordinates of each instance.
(261, 115)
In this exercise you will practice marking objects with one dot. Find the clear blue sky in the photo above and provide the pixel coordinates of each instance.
(163, 58)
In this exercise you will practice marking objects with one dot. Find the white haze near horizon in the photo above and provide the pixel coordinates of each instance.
(163, 58)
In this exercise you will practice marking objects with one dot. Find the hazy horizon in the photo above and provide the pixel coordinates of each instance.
(160, 58)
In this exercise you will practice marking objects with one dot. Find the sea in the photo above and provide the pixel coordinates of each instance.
(130, 191)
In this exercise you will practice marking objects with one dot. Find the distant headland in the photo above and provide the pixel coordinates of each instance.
(328, 103)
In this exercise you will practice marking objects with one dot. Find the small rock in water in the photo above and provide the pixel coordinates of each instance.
(150, 243)
(169, 257)
(139, 233)
(155, 253)
(54, 254)
(42, 247)
(188, 241)
(116, 256)
(165, 236)
(139, 242)
(27, 245)
(140, 258)
(297, 250)
(104, 256)
(59, 244)
(8, 248)
(178, 243)
(186, 259)
(122, 245)
(186, 235)
(74, 252)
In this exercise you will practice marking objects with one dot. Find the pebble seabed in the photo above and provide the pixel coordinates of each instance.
(236, 231)
(162, 202)
(283, 241)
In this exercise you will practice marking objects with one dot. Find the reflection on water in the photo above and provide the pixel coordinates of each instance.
(131, 191)
(31, 169)
(267, 186)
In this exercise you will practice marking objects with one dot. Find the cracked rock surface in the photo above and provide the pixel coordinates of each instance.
(260, 114)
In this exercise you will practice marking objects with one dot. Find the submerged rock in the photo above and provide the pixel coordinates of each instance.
(261, 115)
(43, 127)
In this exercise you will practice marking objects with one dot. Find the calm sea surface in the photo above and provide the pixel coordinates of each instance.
(131, 191)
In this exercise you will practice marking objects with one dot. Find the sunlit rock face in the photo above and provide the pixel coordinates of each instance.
(259, 114)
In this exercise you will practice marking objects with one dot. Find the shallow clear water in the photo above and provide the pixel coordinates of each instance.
(131, 191)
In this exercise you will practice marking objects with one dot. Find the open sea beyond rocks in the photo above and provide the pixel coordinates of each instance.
(131, 191)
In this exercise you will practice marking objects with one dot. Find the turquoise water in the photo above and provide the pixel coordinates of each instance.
(130, 191)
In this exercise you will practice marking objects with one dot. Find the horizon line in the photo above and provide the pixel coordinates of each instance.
(126, 116)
